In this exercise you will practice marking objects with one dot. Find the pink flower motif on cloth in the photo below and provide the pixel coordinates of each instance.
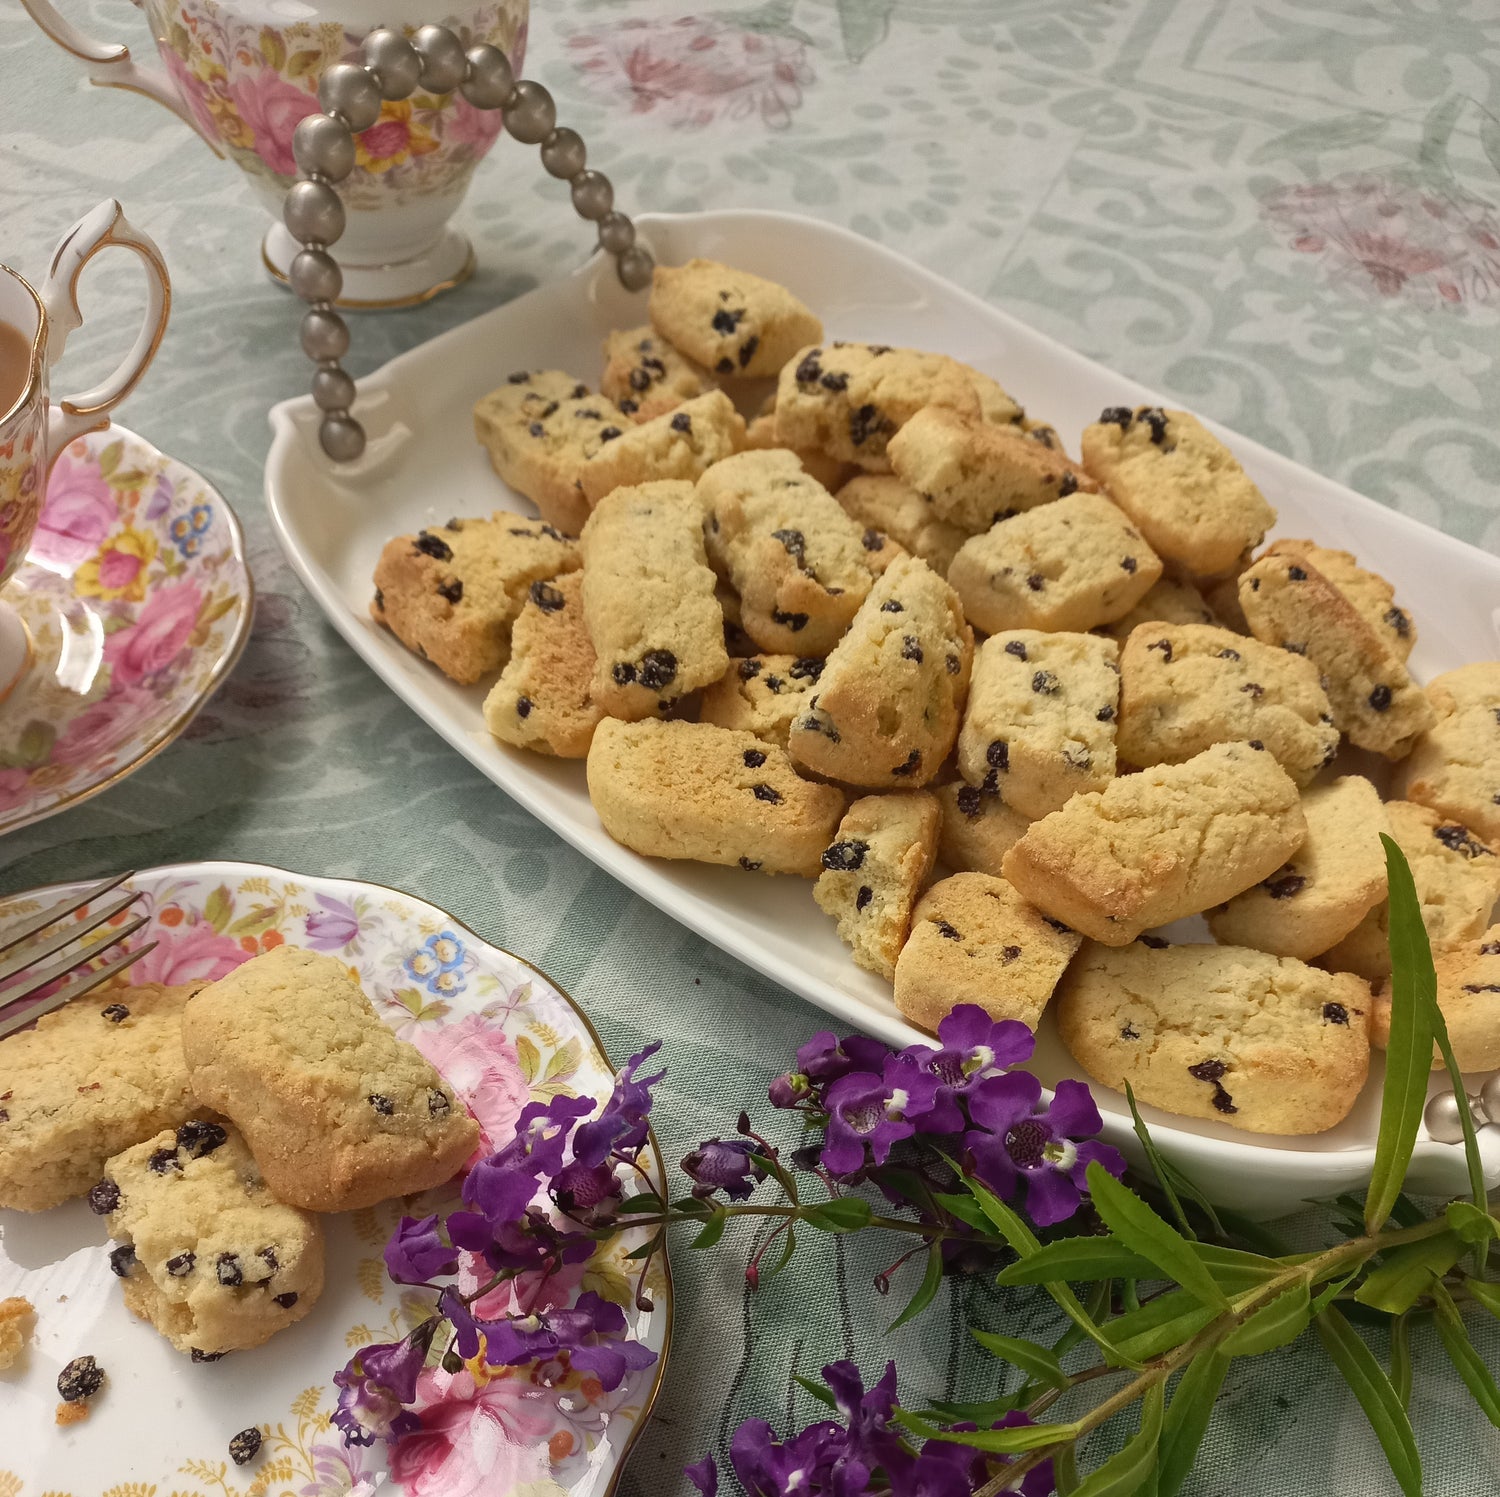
(79, 511)
(476, 1439)
(695, 70)
(481, 1065)
(1395, 237)
(272, 108)
(105, 726)
(159, 635)
(197, 954)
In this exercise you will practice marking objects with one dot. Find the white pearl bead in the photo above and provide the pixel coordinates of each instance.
(1443, 1119)
(342, 437)
(490, 83)
(394, 61)
(349, 89)
(323, 144)
(1489, 1098)
(444, 65)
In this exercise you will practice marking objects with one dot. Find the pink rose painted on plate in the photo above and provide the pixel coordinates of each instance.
(79, 512)
(695, 70)
(272, 108)
(107, 725)
(481, 1065)
(158, 637)
(197, 954)
(14, 785)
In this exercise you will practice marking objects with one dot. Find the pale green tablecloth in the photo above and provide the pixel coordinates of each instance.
(1127, 175)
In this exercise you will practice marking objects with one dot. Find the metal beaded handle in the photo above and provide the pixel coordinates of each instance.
(1442, 1116)
(351, 93)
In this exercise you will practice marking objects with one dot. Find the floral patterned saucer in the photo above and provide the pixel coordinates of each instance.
(501, 1033)
(138, 601)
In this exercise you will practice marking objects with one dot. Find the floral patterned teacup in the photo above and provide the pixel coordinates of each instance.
(243, 73)
(34, 429)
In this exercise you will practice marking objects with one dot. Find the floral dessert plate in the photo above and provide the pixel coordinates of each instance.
(502, 1034)
(138, 601)
(422, 465)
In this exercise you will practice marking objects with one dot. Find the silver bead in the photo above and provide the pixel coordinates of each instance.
(532, 116)
(394, 62)
(490, 84)
(563, 153)
(315, 276)
(351, 90)
(1444, 1122)
(324, 334)
(332, 389)
(635, 267)
(323, 144)
(616, 233)
(593, 196)
(443, 62)
(1489, 1099)
(313, 212)
(341, 436)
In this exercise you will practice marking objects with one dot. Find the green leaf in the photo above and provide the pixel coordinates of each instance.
(1159, 1166)
(713, 1230)
(1065, 1471)
(1401, 1358)
(1160, 1325)
(863, 24)
(1012, 1441)
(1187, 1418)
(983, 1412)
(1235, 1271)
(843, 1214)
(1408, 1056)
(109, 459)
(1466, 1361)
(34, 747)
(272, 49)
(565, 1061)
(646, 1201)
(646, 1248)
(1039, 1363)
(1139, 1227)
(1124, 1473)
(926, 1290)
(1079, 1258)
(218, 908)
(1465, 1116)
(788, 1248)
(1322, 135)
(1405, 1274)
(1471, 1223)
(817, 1390)
(1373, 1389)
(967, 1210)
(1485, 1294)
(529, 1056)
(303, 64)
(1437, 130)
(1331, 1291)
(1273, 1325)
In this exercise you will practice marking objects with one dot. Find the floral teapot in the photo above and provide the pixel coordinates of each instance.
(242, 73)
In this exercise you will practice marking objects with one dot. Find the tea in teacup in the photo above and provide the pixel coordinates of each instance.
(15, 366)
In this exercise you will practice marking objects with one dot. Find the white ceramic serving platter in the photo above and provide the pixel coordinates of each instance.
(502, 1034)
(423, 465)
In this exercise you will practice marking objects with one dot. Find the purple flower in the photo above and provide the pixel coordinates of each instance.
(878, 1111)
(768, 1468)
(947, 1469)
(723, 1164)
(593, 1334)
(504, 1183)
(586, 1192)
(1050, 1150)
(416, 1253)
(823, 1059)
(376, 1384)
(332, 927)
(704, 1475)
(974, 1048)
(621, 1127)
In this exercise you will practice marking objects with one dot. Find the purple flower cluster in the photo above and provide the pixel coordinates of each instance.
(960, 1094)
(860, 1452)
(541, 1202)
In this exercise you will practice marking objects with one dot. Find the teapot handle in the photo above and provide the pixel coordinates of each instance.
(108, 65)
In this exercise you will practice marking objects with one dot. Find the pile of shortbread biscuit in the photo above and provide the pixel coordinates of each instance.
(887, 626)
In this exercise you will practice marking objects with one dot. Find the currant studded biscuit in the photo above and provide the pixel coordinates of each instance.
(1457, 877)
(338, 1112)
(974, 939)
(1072, 564)
(1170, 841)
(452, 593)
(760, 436)
(539, 429)
(648, 597)
(206, 1253)
(978, 829)
(683, 443)
(1186, 687)
(1468, 988)
(1325, 888)
(693, 790)
(874, 871)
(796, 559)
(1170, 600)
(850, 399)
(762, 694)
(728, 320)
(1040, 722)
(974, 473)
(645, 376)
(997, 406)
(1455, 765)
(1288, 602)
(883, 505)
(91, 1079)
(887, 707)
(1262, 1043)
(544, 697)
(1181, 485)
(1368, 593)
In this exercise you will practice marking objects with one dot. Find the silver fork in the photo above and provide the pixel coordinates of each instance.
(25, 949)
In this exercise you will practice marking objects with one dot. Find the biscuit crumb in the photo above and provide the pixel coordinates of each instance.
(71, 1413)
(16, 1316)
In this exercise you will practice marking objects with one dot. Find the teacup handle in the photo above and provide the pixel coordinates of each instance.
(101, 228)
(109, 65)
